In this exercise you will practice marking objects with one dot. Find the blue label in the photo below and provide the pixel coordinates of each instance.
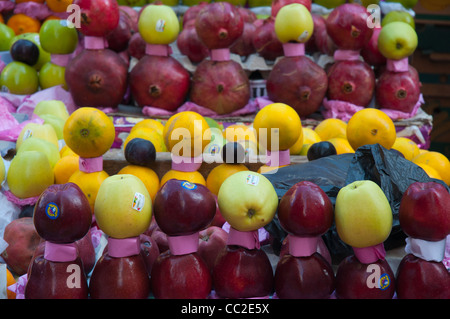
(385, 281)
(52, 210)
(188, 186)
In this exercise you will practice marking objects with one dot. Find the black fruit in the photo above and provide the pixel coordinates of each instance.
(320, 149)
(140, 152)
(233, 153)
(25, 51)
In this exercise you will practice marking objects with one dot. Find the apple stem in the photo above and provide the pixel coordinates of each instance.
(251, 212)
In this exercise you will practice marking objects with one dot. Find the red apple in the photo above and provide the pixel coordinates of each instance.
(160, 239)
(354, 280)
(119, 37)
(421, 279)
(98, 17)
(56, 280)
(305, 210)
(212, 241)
(183, 208)
(304, 277)
(120, 278)
(62, 213)
(370, 52)
(136, 46)
(242, 273)
(218, 220)
(347, 26)
(424, 211)
(180, 277)
(320, 41)
(86, 251)
(149, 251)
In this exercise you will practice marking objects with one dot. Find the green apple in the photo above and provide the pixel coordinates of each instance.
(43, 146)
(158, 24)
(6, 36)
(57, 38)
(365, 3)
(44, 131)
(393, 16)
(123, 207)
(247, 200)
(397, 40)
(363, 214)
(132, 3)
(294, 23)
(213, 123)
(44, 56)
(2, 172)
(52, 75)
(330, 4)
(217, 142)
(53, 107)
(29, 174)
(56, 122)
(19, 78)
(408, 4)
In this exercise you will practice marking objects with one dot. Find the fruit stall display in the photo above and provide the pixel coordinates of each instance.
(201, 150)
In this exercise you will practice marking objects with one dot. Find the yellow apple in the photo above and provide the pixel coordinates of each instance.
(44, 131)
(363, 215)
(41, 145)
(158, 24)
(294, 23)
(54, 107)
(56, 122)
(123, 207)
(29, 174)
(2, 172)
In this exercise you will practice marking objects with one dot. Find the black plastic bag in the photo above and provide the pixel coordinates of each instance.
(388, 168)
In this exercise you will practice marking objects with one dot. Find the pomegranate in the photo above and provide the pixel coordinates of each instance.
(351, 81)
(219, 25)
(398, 91)
(192, 12)
(320, 41)
(133, 15)
(221, 86)
(159, 81)
(247, 14)
(98, 17)
(299, 83)
(277, 4)
(266, 42)
(119, 38)
(97, 78)
(347, 26)
(136, 46)
(244, 45)
(370, 52)
(190, 45)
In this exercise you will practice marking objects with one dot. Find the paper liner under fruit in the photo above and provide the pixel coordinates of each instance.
(186, 164)
(246, 239)
(220, 54)
(401, 65)
(302, 246)
(369, 255)
(95, 43)
(427, 250)
(91, 165)
(293, 49)
(158, 49)
(347, 55)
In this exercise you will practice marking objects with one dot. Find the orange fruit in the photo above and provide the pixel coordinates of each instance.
(193, 177)
(431, 172)
(10, 280)
(58, 5)
(89, 132)
(146, 175)
(309, 137)
(330, 128)
(22, 23)
(264, 169)
(89, 184)
(239, 132)
(52, 17)
(220, 173)
(278, 126)
(1, 19)
(341, 145)
(150, 123)
(149, 134)
(184, 134)
(407, 147)
(371, 126)
(65, 151)
(436, 160)
(65, 167)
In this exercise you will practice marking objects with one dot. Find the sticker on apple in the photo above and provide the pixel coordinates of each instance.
(188, 186)
(252, 179)
(160, 25)
(138, 202)
(52, 210)
(28, 133)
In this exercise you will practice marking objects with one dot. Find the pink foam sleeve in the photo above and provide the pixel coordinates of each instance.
(91, 165)
(60, 59)
(278, 158)
(401, 65)
(123, 247)
(369, 255)
(186, 164)
(293, 49)
(220, 54)
(302, 246)
(60, 252)
(20, 201)
(183, 245)
(158, 49)
(246, 239)
(346, 55)
(95, 43)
